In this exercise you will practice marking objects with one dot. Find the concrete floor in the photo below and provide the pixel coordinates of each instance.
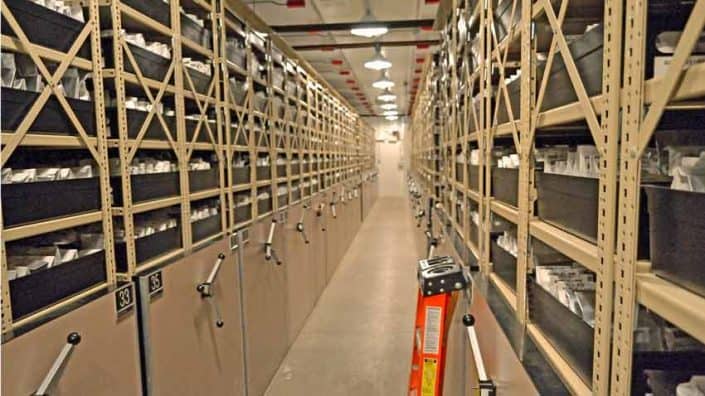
(358, 339)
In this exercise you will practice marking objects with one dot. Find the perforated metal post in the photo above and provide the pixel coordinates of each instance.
(638, 126)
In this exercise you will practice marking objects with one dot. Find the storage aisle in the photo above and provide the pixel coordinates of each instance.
(358, 338)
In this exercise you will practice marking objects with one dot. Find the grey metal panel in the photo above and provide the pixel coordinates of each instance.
(105, 362)
(349, 227)
(458, 354)
(300, 271)
(190, 354)
(334, 230)
(317, 249)
(265, 308)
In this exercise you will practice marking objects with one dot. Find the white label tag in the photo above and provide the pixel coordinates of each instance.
(662, 63)
(432, 330)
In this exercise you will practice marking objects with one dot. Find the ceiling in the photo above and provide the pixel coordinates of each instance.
(343, 68)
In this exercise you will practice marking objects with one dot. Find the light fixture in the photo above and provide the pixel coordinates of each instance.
(368, 26)
(378, 62)
(387, 96)
(391, 118)
(390, 113)
(388, 106)
(384, 82)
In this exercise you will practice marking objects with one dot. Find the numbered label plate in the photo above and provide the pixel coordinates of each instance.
(124, 298)
(156, 283)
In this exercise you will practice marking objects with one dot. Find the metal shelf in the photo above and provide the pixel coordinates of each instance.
(573, 247)
(331, 128)
(564, 370)
(679, 306)
(620, 119)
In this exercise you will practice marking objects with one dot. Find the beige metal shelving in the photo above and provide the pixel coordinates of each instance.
(457, 123)
(317, 123)
(24, 136)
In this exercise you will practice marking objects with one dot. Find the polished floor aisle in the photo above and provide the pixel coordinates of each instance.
(358, 339)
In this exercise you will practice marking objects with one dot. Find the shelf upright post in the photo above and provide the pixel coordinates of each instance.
(451, 30)
(271, 125)
(465, 140)
(320, 133)
(289, 132)
(485, 133)
(253, 144)
(638, 126)
(607, 205)
(526, 168)
(123, 138)
(629, 180)
(180, 110)
(102, 142)
(6, 306)
(220, 70)
(224, 116)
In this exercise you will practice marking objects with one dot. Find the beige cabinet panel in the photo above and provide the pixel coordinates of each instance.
(105, 362)
(265, 307)
(189, 353)
(300, 270)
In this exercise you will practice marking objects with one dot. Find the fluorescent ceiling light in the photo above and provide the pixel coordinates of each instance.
(369, 32)
(387, 96)
(384, 82)
(391, 113)
(389, 106)
(369, 27)
(378, 62)
(392, 117)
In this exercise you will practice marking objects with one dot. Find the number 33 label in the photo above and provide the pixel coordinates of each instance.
(124, 298)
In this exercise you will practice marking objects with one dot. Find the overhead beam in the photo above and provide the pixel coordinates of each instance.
(332, 27)
(365, 44)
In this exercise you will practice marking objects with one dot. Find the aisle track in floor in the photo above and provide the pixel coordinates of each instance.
(358, 339)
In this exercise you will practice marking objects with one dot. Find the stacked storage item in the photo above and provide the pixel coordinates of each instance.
(473, 170)
(156, 233)
(503, 250)
(666, 359)
(243, 208)
(204, 173)
(240, 169)
(561, 304)
(505, 178)
(205, 219)
(48, 268)
(675, 221)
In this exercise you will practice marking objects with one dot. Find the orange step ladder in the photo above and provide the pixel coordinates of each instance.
(439, 279)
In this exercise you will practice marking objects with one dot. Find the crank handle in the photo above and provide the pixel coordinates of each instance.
(205, 287)
(270, 238)
(216, 310)
(300, 228)
(273, 255)
(54, 373)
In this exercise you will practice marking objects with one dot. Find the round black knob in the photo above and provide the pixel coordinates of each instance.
(307, 242)
(221, 256)
(219, 323)
(73, 338)
(468, 320)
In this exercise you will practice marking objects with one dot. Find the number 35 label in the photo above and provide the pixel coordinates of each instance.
(124, 298)
(156, 283)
